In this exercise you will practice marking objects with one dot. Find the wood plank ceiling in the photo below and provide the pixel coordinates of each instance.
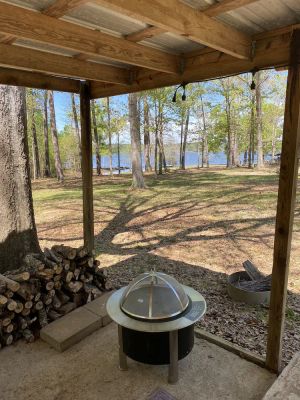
(136, 66)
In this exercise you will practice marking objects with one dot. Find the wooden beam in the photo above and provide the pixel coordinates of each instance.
(288, 177)
(7, 39)
(41, 61)
(146, 33)
(37, 80)
(35, 26)
(176, 17)
(225, 6)
(87, 166)
(210, 64)
(233, 348)
(62, 7)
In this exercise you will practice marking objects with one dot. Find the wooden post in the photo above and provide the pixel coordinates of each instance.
(285, 208)
(87, 166)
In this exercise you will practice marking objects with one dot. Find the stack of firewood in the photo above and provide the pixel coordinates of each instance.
(47, 286)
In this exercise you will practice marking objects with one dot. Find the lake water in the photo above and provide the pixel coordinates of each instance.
(191, 160)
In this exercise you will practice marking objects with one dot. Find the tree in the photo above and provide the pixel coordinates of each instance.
(146, 135)
(18, 234)
(31, 112)
(58, 165)
(260, 156)
(109, 135)
(76, 124)
(96, 138)
(137, 172)
(47, 170)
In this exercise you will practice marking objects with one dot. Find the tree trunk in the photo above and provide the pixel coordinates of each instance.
(119, 157)
(198, 150)
(137, 172)
(186, 130)
(47, 170)
(58, 166)
(18, 234)
(96, 139)
(181, 139)
(76, 124)
(109, 135)
(260, 158)
(35, 148)
(205, 141)
(229, 134)
(146, 136)
(252, 134)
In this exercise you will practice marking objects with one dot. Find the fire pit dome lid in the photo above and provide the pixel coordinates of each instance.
(154, 296)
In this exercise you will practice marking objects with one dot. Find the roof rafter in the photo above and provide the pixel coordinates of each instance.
(271, 51)
(62, 7)
(41, 61)
(225, 6)
(37, 80)
(38, 27)
(174, 16)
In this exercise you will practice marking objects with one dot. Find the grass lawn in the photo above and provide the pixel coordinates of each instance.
(198, 225)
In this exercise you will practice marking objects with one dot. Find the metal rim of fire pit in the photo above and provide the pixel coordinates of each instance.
(195, 311)
(154, 296)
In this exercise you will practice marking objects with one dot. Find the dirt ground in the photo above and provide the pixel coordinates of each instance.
(89, 370)
(199, 225)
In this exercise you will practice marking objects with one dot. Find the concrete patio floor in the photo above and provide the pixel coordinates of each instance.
(89, 371)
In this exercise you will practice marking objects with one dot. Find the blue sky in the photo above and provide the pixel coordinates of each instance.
(62, 102)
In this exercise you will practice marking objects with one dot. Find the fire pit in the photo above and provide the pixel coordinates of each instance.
(156, 316)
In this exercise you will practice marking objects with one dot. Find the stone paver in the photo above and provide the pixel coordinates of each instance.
(98, 307)
(287, 386)
(71, 328)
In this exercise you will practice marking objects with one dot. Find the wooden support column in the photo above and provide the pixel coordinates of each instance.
(285, 208)
(87, 166)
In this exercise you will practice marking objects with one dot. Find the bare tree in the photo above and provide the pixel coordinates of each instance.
(96, 139)
(47, 170)
(76, 124)
(137, 172)
(147, 136)
(18, 234)
(260, 157)
(58, 165)
(109, 135)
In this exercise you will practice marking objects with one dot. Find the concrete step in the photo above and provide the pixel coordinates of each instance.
(287, 385)
(75, 326)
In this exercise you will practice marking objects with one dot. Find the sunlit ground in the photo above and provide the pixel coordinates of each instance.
(208, 221)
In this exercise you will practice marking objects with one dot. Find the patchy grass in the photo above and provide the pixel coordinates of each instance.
(199, 225)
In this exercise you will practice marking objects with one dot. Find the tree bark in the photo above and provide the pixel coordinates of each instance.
(137, 172)
(109, 135)
(18, 234)
(147, 136)
(118, 151)
(35, 148)
(260, 158)
(186, 130)
(76, 124)
(58, 165)
(96, 139)
(252, 134)
(205, 141)
(47, 170)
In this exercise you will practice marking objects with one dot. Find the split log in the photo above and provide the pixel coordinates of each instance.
(74, 287)
(53, 255)
(81, 252)
(10, 284)
(19, 307)
(262, 285)
(3, 300)
(65, 251)
(11, 305)
(69, 276)
(63, 298)
(53, 315)
(252, 271)
(20, 277)
(25, 312)
(66, 308)
(56, 303)
(6, 339)
(8, 329)
(38, 305)
(33, 261)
